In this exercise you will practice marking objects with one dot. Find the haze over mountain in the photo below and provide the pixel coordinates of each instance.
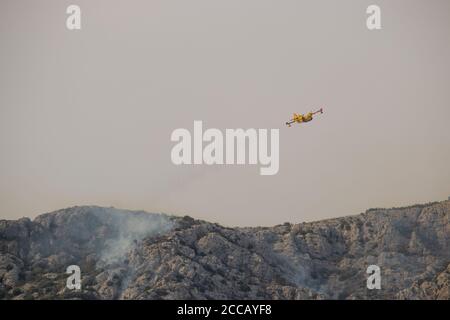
(86, 116)
(137, 255)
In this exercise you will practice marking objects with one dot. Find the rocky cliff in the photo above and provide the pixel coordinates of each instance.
(137, 255)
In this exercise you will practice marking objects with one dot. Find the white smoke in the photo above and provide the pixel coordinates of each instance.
(128, 228)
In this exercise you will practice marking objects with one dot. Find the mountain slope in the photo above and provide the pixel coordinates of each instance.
(136, 255)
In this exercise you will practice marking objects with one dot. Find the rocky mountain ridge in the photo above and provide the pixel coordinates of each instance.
(137, 255)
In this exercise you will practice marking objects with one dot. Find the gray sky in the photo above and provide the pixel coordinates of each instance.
(86, 116)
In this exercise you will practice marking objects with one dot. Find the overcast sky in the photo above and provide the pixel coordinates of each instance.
(86, 116)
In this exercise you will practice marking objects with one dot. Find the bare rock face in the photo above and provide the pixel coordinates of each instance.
(137, 255)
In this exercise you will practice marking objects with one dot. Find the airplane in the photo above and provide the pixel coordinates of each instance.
(300, 118)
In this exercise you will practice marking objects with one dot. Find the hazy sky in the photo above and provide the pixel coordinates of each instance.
(86, 116)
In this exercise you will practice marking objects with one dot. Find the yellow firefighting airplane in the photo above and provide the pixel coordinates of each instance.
(300, 118)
